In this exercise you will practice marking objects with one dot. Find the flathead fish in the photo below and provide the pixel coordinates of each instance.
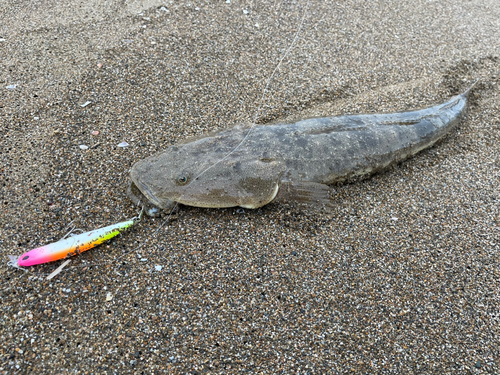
(252, 166)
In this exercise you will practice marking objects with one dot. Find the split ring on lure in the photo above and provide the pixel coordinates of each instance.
(74, 245)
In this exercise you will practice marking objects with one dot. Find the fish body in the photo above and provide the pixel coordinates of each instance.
(247, 167)
(72, 245)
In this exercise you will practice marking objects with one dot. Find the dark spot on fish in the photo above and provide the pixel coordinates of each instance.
(402, 122)
(237, 166)
(351, 125)
(301, 142)
(353, 121)
(26, 257)
(424, 128)
(266, 160)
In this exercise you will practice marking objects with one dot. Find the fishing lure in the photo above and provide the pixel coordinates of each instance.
(74, 245)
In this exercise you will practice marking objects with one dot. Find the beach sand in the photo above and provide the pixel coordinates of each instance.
(401, 276)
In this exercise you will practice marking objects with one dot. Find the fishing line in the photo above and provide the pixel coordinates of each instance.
(254, 122)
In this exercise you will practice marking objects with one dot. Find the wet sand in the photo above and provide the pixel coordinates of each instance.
(401, 276)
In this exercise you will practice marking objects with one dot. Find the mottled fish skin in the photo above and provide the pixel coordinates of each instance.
(220, 171)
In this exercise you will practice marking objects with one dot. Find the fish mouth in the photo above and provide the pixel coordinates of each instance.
(143, 198)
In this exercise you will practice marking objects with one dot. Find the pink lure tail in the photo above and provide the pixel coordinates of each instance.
(72, 245)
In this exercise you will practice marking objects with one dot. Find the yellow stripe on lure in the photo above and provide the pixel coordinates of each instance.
(73, 245)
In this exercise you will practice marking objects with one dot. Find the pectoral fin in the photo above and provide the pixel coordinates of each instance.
(260, 182)
(259, 200)
(309, 193)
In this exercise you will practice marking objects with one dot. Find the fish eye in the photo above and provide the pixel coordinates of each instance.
(182, 180)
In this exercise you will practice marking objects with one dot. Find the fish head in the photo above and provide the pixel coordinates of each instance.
(202, 174)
